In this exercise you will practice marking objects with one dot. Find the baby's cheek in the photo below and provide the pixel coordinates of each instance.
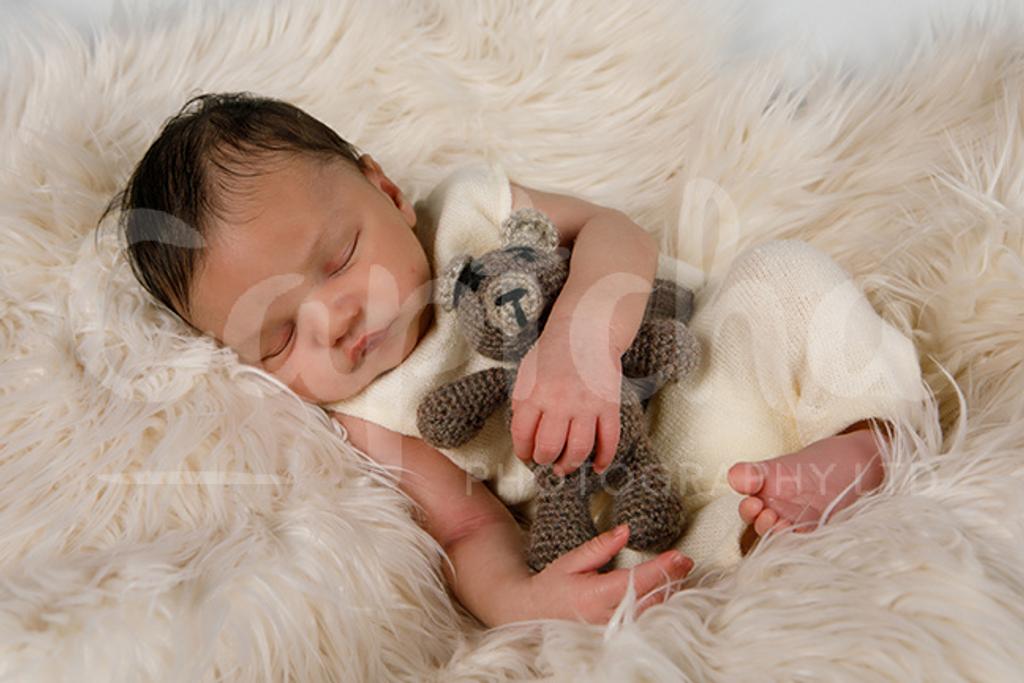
(315, 378)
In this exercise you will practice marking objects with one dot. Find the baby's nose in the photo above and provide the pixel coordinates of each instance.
(328, 325)
(341, 323)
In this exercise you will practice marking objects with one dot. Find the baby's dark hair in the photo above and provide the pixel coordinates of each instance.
(199, 156)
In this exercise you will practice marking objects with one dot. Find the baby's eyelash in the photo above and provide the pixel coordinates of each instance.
(348, 258)
(283, 346)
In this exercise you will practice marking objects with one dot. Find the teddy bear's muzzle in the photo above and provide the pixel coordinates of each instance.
(513, 302)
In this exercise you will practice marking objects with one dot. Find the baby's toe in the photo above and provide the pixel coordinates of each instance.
(750, 508)
(765, 521)
(746, 477)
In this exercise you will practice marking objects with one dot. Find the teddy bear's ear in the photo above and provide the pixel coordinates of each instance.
(529, 227)
(448, 283)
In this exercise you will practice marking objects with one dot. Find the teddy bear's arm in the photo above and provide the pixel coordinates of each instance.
(664, 350)
(452, 414)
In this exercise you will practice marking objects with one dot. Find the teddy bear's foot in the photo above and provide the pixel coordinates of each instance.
(563, 520)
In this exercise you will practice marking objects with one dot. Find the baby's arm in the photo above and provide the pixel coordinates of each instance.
(567, 391)
(485, 545)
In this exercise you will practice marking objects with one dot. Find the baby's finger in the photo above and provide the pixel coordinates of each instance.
(550, 438)
(577, 446)
(524, 426)
(655, 597)
(608, 428)
(526, 377)
(595, 553)
(665, 568)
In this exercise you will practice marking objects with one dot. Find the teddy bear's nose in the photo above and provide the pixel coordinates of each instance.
(514, 302)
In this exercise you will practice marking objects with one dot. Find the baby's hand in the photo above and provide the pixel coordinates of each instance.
(563, 400)
(571, 588)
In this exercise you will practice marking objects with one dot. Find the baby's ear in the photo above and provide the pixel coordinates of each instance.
(528, 227)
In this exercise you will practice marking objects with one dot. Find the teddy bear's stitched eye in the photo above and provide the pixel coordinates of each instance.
(470, 278)
(525, 253)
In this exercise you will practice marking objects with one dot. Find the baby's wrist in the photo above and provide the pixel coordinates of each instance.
(517, 602)
(579, 329)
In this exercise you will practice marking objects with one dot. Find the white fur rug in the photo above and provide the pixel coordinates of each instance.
(167, 515)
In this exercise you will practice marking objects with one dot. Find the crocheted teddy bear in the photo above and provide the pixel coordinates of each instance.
(502, 300)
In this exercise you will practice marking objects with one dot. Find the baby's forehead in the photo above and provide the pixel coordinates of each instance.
(240, 193)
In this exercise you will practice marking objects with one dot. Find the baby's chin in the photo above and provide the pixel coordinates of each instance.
(341, 391)
(340, 387)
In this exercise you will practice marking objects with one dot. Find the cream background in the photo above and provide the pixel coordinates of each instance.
(170, 515)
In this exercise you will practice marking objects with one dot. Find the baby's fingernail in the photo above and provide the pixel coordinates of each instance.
(677, 558)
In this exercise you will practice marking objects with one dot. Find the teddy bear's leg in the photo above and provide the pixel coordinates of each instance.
(563, 520)
(644, 494)
(649, 502)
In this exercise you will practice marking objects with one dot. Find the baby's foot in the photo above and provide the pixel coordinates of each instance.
(795, 489)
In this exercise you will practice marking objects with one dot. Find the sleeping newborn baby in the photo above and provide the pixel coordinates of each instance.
(316, 268)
